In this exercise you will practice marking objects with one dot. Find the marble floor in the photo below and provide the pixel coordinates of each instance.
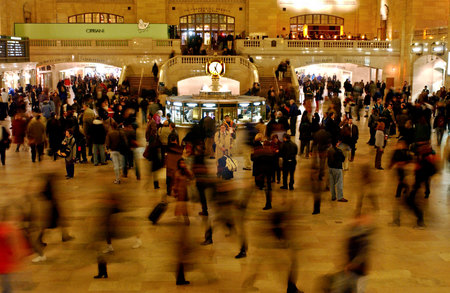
(403, 259)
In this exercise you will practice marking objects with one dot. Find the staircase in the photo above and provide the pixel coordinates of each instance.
(148, 83)
(265, 83)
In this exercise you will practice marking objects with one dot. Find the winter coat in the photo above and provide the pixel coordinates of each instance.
(36, 131)
(19, 129)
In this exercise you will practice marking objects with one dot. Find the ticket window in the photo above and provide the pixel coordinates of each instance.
(227, 110)
(191, 113)
(244, 112)
(209, 112)
(258, 112)
(177, 110)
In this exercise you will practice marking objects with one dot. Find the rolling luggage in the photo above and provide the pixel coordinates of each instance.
(157, 212)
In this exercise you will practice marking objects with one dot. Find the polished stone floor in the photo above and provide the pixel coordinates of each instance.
(403, 259)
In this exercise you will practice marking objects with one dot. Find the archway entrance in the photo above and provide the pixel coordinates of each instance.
(428, 71)
(49, 75)
(210, 28)
(339, 71)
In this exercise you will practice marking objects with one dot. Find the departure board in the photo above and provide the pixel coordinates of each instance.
(13, 48)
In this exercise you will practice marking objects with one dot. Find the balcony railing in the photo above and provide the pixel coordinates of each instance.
(289, 45)
(113, 44)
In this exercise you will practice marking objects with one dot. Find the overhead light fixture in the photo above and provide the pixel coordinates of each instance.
(417, 48)
(192, 105)
(438, 48)
(178, 104)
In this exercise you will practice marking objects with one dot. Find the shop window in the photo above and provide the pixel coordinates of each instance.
(95, 17)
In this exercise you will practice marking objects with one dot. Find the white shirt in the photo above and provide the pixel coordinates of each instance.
(5, 97)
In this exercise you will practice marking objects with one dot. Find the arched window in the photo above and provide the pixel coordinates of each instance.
(208, 26)
(95, 17)
(317, 23)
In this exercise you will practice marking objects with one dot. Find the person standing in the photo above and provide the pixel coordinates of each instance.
(98, 137)
(69, 144)
(288, 152)
(335, 159)
(305, 135)
(352, 138)
(55, 135)
(293, 113)
(36, 137)
(222, 139)
(379, 144)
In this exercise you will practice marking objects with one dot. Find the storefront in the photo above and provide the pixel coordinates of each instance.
(17, 74)
(187, 110)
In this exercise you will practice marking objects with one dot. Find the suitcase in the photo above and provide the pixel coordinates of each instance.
(157, 212)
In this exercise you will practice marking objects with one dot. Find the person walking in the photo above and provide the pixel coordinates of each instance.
(288, 152)
(379, 144)
(115, 141)
(36, 137)
(335, 159)
(305, 135)
(5, 143)
(19, 128)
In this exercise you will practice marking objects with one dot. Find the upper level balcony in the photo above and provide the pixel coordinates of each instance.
(294, 47)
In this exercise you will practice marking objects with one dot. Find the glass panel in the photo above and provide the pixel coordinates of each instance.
(207, 38)
(257, 113)
(222, 18)
(214, 18)
(207, 18)
(316, 18)
(214, 27)
(301, 19)
(223, 27)
(230, 19)
(183, 27)
(293, 28)
(231, 27)
(207, 27)
(72, 19)
(293, 20)
(183, 38)
(80, 18)
(119, 19)
(199, 27)
(191, 19)
(183, 19)
(199, 18)
(95, 17)
(244, 113)
(308, 19)
(88, 18)
(112, 18)
(103, 18)
(191, 26)
(332, 20)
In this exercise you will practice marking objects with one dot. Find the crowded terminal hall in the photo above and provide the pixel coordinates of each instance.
(225, 146)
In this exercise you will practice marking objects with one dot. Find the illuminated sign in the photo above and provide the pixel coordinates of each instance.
(319, 5)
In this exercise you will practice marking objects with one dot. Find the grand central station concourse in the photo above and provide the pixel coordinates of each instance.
(225, 146)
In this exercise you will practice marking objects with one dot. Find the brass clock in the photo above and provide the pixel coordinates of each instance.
(215, 68)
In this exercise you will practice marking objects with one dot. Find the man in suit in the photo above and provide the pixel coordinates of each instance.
(353, 132)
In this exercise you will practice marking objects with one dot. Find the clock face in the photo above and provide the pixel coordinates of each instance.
(215, 68)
